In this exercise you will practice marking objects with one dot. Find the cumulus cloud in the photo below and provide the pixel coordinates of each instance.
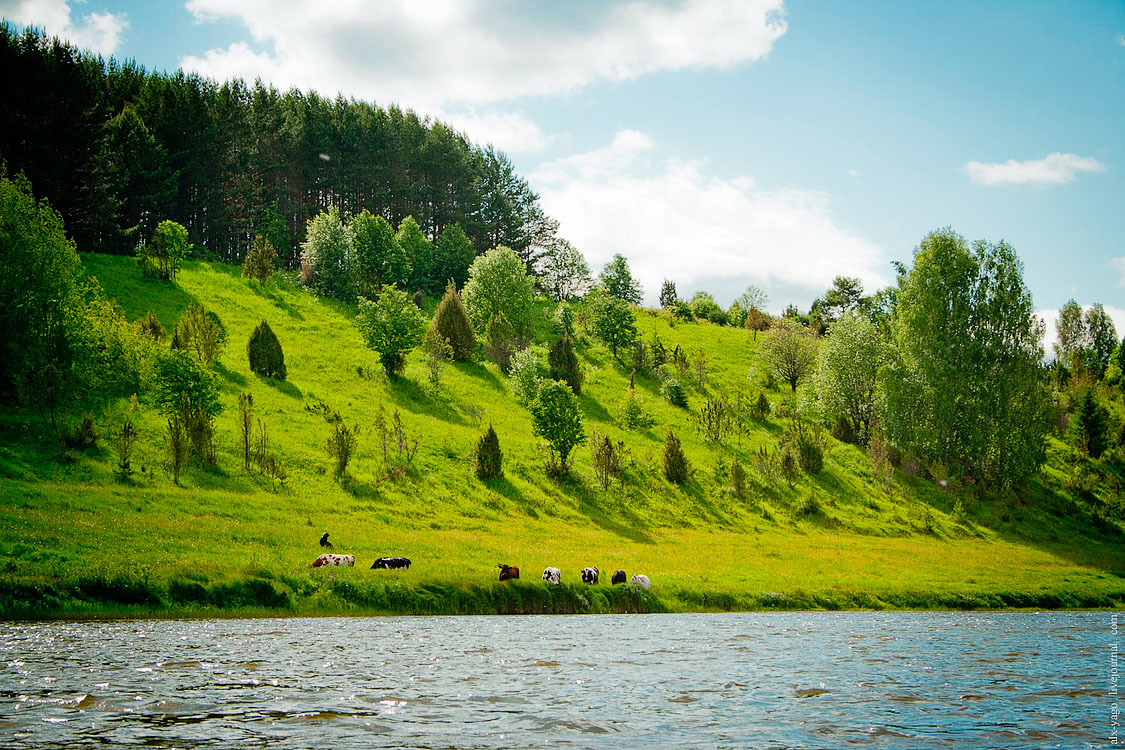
(1050, 319)
(1054, 169)
(672, 221)
(446, 52)
(98, 32)
(512, 132)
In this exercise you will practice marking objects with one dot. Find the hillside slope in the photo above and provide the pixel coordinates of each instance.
(75, 539)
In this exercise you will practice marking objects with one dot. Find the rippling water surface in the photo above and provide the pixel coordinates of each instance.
(724, 680)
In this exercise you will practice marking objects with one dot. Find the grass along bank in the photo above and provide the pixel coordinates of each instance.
(74, 539)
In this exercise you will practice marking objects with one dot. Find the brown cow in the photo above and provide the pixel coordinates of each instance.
(508, 571)
(328, 559)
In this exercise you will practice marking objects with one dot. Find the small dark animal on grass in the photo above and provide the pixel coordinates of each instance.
(508, 571)
(590, 576)
(391, 563)
(324, 541)
(619, 577)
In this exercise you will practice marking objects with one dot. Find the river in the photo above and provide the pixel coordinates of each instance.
(1011, 679)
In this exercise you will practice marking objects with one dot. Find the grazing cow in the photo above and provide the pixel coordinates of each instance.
(618, 577)
(508, 571)
(329, 559)
(324, 541)
(640, 580)
(590, 576)
(391, 563)
(552, 575)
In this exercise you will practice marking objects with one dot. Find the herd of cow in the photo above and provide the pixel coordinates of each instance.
(507, 572)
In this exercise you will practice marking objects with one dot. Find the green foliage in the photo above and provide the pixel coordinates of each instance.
(677, 470)
(499, 289)
(201, 333)
(790, 350)
(438, 353)
(418, 253)
(681, 311)
(1090, 426)
(846, 379)
(757, 321)
(326, 256)
(564, 364)
(843, 297)
(563, 273)
(527, 373)
(183, 387)
(658, 355)
(618, 281)
(673, 392)
(714, 420)
(634, 413)
(162, 256)
(245, 427)
(703, 306)
(341, 446)
(452, 323)
(668, 294)
(124, 443)
(151, 326)
(762, 409)
(737, 479)
(608, 459)
(613, 320)
(176, 445)
(1070, 333)
(556, 419)
(807, 442)
(264, 353)
(488, 458)
(136, 170)
(788, 465)
(736, 315)
(259, 263)
(1102, 336)
(391, 326)
(378, 256)
(965, 387)
(564, 320)
(753, 299)
(453, 254)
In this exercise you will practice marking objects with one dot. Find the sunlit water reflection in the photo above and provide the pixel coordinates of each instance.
(726, 680)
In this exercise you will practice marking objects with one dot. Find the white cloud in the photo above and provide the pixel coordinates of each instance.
(1051, 317)
(1119, 264)
(1055, 169)
(97, 32)
(1120, 39)
(671, 221)
(509, 131)
(438, 53)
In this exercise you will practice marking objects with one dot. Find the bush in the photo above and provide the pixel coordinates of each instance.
(526, 374)
(762, 407)
(673, 392)
(564, 364)
(84, 434)
(808, 444)
(556, 418)
(677, 470)
(737, 479)
(607, 459)
(341, 446)
(162, 255)
(451, 321)
(264, 351)
(634, 415)
(177, 445)
(124, 441)
(259, 260)
(151, 326)
(391, 326)
(438, 353)
(488, 458)
(201, 333)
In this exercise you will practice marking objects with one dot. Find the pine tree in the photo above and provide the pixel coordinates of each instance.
(451, 322)
(488, 457)
(259, 261)
(737, 479)
(676, 466)
(668, 294)
(264, 351)
(1090, 426)
(564, 364)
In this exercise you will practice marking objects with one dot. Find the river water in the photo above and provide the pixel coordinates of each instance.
(907, 680)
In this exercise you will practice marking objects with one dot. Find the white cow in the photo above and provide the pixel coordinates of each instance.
(552, 575)
(640, 580)
(590, 576)
(330, 559)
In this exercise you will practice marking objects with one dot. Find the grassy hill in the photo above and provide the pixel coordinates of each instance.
(74, 539)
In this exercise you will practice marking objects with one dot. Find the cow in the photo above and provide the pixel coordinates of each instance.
(590, 576)
(552, 575)
(618, 577)
(508, 571)
(324, 541)
(640, 580)
(328, 560)
(391, 563)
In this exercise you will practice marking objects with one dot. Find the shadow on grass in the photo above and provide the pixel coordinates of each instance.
(479, 371)
(504, 487)
(591, 409)
(410, 395)
(281, 386)
(234, 378)
(623, 522)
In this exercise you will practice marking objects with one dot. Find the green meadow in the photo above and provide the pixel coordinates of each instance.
(76, 540)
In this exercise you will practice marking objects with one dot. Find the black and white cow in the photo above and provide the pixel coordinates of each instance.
(618, 577)
(328, 560)
(552, 575)
(391, 563)
(640, 580)
(590, 576)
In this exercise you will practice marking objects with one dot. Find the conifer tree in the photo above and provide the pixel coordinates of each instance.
(488, 457)
(1090, 426)
(564, 364)
(264, 351)
(451, 321)
(676, 466)
(259, 261)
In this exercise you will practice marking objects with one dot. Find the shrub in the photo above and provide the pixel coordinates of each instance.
(341, 446)
(788, 466)
(183, 387)
(398, 450)
(564, 364)
(1090, 426)
(124, 441)
(259, 260)
(564, 320)
(201, 333)
(700, 369)
(84, 434)
(487, 457)
(807, 441)
(177, 445)
(681, 311)
(556, 418)
(713, 421)
(737, 479)
(634, 415)
(162, 255)
(264, 352)
(640, 356)
(607, 459)
(245, 426)
(843, 431)
(673, 392)
(391, 326)
(526, 374)
(438, 353)
(151, 326)
(677, 470)
(451, 321)
(657, 353)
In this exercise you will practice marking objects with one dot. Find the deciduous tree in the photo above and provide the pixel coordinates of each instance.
(391, 326)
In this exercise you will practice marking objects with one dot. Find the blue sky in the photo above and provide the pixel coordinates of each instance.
(725, 142)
